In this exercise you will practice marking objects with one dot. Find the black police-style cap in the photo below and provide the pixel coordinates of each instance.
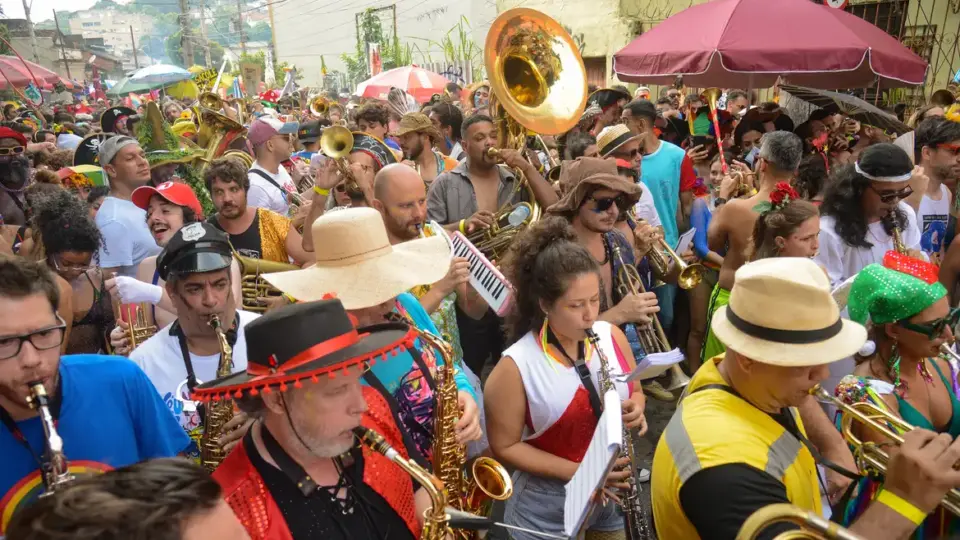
(195, 248)
(310, 131)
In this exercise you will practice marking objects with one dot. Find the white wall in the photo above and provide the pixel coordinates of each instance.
(305, 29)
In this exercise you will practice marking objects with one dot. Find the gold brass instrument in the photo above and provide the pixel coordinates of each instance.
(436, 521)
(812, 526)
(253, 286)
(55, 469)
(710, 97)
(336, 143)
(489, 480)
(537, 84)
(215, 130)
(871, 458)
(690, 274)
(652, 337)
(219, 412)
(138, 329)
(210, 100)
(636, 524)
(898, 244)
(319, 106)
(244, 157)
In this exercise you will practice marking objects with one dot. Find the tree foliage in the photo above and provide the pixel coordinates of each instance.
(174, 51)
(5, 34)
(392, 53)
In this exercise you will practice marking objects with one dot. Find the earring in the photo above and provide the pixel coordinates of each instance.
(543, 335)
(893, 365)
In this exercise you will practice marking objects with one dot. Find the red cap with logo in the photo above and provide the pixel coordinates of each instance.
(176, 193)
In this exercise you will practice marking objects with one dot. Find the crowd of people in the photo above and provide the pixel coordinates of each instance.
(215, 305)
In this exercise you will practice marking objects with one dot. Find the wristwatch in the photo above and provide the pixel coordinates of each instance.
(719, 201)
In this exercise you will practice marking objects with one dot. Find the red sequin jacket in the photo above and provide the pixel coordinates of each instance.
(248, 496)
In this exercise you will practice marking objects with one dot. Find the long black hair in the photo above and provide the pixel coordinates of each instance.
(844, 195)
(540, 264)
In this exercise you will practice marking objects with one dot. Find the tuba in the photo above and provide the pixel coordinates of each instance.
(215, 131)
(436, 520)
(138, 329)
(537, 84)
(55, 469)
(218, 412)
(636, 524)
(489, 479)
(812, 526)
(319, 106)
(253, 286)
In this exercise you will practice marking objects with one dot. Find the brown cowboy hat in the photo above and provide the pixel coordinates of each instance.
(579, 178)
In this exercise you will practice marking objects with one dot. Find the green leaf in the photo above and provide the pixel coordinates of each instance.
(763, 207)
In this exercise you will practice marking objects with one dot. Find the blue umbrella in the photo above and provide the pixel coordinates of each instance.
(160, 74)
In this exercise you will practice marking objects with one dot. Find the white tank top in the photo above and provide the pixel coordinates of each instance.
(551, 387)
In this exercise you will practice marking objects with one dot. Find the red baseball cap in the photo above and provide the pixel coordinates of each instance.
(176, 193)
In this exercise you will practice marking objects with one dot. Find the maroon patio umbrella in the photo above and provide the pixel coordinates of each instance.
(749, 43)
(14, 69)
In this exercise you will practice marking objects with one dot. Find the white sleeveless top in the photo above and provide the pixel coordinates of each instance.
(551, 387)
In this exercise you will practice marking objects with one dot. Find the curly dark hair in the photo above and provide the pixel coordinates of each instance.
(64, 224)
(226, 169)
(540, 264)
(782, 222)
(811, 176)
(151, 500)
(374, 112)
(844, 195)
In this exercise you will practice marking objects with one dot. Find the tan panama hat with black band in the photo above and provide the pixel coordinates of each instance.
(781, 312)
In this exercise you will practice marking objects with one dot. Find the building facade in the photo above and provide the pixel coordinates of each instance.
(114, 27)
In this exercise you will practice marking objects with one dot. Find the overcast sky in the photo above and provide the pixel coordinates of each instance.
(42, 10)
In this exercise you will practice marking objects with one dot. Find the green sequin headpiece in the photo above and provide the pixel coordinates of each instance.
(896, 290)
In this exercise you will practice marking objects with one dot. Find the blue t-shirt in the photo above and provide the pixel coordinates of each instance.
(660, 171)
(111, 416)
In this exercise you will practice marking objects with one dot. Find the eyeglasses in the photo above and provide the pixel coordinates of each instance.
(888, 196)
(70, 267)
(14, 150)
(627, 155)
(42, 340)
(933, 329)
(604, 204)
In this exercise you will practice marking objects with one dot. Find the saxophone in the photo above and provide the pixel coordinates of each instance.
(636, 525)
(436, 521)
(489, 480)
(55, 469)
(218, 412)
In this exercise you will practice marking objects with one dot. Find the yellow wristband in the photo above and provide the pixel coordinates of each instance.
(289, 298)
(321, 191)
(901, 506)
(462, 223)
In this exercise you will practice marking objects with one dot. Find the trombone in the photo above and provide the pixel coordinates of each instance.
(812, 526)
(870, 456)
(336, 143)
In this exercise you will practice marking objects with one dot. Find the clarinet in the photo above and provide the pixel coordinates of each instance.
(55, 469)
(636, 524)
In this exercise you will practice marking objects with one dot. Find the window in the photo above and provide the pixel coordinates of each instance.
(90, 24)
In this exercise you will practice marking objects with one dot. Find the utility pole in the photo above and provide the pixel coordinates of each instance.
(186, 38)
(203, 36)
(136, 62)
(243, 41)
(33, 35)
(66, 64)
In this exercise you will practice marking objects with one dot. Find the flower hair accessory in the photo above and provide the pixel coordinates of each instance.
(782, 194)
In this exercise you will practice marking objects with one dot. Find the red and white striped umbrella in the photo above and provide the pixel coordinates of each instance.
(16, 72)
(416, 81)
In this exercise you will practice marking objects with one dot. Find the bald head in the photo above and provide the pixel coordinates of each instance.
(397, 182)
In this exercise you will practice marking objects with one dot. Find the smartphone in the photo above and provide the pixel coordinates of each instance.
(700, 140)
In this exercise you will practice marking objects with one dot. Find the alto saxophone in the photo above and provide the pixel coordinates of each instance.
(636, 525)
(55, 469)
(436, 521)
(488, 479)
(218, 412)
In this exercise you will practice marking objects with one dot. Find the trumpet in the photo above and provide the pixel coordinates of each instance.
(690, 274)
(812, 526)
(870, 456)
(336, 143)
(139, 330)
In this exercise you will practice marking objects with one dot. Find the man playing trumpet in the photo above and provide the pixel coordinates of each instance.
(737, 444)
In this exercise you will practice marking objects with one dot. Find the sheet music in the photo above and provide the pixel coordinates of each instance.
(654, 365)
(597, 462)
(683, 244)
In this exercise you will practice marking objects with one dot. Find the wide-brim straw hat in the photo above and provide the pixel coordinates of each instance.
(613, 137)
(419, 123)
(357, 265)
(781, 313)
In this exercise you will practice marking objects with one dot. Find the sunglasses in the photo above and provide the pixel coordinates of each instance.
(15, 150)
(955, 148)
(604, 204)
(341, 188)
(888, 196)
(628, 155)
(933, 329)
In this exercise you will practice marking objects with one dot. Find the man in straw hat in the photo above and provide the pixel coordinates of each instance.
(196, 267)
(736, 443)
(595, 196)
(357, 264)
(418, 137)
(298, 473)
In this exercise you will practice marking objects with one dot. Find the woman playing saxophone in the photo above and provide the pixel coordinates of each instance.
(540, 414)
